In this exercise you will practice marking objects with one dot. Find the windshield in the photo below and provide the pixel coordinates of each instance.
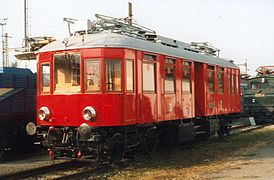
(262, 83)
(67, 73)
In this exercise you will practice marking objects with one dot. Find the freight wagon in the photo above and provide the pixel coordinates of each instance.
(17, 107)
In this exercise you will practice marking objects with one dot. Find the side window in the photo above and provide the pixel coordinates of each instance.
(232, 83)
(113, 75)
(220, 80)
(129, 75)
(237, 84)
(186, 81)
(210, 79)
(149, 73)
(45, 78)
(169, 75)
(228, 82)
(92, 75)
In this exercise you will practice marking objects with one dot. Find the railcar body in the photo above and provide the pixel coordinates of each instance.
(258, 98)
(17, 107)
(110, 92)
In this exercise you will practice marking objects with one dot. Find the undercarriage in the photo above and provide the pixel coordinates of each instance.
(114, 143)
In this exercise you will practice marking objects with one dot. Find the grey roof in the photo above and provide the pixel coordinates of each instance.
(121, 41)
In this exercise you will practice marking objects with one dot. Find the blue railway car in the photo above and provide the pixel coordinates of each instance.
(17, 107)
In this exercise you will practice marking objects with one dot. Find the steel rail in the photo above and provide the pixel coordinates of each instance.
(43, 170)
(244, 129)
(92, 172)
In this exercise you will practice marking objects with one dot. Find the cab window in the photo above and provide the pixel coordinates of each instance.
(45, 78)
(113, 75)
(67, 73)
(92, 75)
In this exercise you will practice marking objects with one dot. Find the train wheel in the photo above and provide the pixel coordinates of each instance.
(224, 128)
(2, 151)
(52, 153)
(80, 145)
(202, 136)
(117, 147)
(151, 140)
(220, 134)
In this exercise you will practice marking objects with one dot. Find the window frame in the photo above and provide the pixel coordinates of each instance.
(229, 81)
(53, 74)
(167, 64)
(126, 77)
(187, 67)
(100, 74)
(237, 82)
(105, 77)
(221, 71)
(208, 69)
(233, 77)
(41, 78)
(152, 61)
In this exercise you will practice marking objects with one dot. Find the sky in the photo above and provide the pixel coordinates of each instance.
(243, 30)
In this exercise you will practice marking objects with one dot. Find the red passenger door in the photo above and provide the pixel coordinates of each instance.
(187, 89)
(147, 84)
(211, 104)
(130, 110)
(221, 93)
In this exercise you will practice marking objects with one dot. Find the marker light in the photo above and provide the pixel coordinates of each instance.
(89, 113)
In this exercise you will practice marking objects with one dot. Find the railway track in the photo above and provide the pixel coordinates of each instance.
(49, 169)
(91, 172)
(83, 169)
(246, 128)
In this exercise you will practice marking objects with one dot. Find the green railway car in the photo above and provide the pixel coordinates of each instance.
(258, 98)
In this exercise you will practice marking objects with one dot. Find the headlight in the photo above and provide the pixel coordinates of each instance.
(89, 113)
(44, 113)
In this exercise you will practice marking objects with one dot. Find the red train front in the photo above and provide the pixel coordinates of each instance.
(104, 93)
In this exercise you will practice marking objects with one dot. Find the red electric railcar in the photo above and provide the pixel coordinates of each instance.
(111, 88)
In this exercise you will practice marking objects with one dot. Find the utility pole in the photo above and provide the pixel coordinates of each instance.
(26, 30)
(6, 51)
(245, 74)
(2, 24)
